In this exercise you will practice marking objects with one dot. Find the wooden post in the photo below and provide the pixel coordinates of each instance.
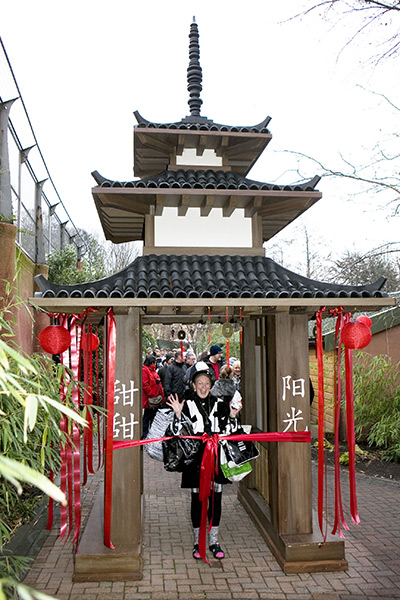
(284, 514)
(94, 561)
(289, 410)
(126, 490)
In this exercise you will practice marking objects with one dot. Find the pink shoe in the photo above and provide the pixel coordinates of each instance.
(217, 551)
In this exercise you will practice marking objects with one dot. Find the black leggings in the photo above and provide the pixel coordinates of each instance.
(195, 509)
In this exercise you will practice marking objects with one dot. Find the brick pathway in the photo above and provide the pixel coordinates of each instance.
(249, 569)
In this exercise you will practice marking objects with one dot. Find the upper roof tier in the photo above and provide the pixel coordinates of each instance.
(157, 145)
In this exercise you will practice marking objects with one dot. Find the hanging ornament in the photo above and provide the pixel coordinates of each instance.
(364, 319)
(209, 325)
(54, 339)
(90, 342)
(356, 335)
(181, 334)
(227, 330)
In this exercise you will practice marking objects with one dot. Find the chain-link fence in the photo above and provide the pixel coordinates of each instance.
(43, 222)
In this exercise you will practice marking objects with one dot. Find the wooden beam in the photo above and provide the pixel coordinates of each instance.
(253, 206)
(159, 207)
(230, 205)
(207, 205)
(201, 145)
(311, 305)
(184, 205)
(180, 144)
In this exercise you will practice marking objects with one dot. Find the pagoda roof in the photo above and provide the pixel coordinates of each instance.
(155, 144)
(202, 124)
(208, 277)
(122, 206)
(204, 179)
(238, 146)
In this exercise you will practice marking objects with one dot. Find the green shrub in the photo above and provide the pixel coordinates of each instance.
(377, 403)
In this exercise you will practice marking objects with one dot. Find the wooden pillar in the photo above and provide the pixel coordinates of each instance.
(95, 562)
(284, 515)
(289, 410)
(126, 522)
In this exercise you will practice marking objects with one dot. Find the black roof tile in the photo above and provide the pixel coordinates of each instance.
(198, 276)
(197, 123)
(200, 179)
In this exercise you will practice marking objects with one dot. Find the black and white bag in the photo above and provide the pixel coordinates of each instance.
(158, 427)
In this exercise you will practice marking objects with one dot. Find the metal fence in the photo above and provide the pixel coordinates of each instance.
(34, 203)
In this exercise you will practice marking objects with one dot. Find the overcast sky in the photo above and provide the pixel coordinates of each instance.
(83, 67)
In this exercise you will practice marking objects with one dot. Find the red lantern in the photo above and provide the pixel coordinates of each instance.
(364, 319)
(54, 339)
(356, 335)
(90, 342)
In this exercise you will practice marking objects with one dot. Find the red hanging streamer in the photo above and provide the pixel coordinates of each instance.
(65, 442)
(209, 325)
(110, 383)
(351, 440)
(339, 520)
(227, 339)
(88, 402)
(76, 331)
(99, 420)
(321, 415)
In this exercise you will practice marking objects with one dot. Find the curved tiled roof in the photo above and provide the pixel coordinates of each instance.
(202, 124)
(195, 276)
(201, 179)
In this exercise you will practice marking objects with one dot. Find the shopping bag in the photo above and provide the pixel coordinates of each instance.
(179, 452)
(158, 427)
(240, 452)
(229, 469)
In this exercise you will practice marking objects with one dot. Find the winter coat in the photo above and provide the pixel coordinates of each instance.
(211, 416)
(224, 388)
(211, 367)
(151, 385)
(174, 379)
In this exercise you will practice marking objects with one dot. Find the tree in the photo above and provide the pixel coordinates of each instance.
(355, 269)
(30, 436)
(65, 269)
(365, 16)
(119, 256)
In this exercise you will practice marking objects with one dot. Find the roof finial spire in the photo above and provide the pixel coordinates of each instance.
(194, 74)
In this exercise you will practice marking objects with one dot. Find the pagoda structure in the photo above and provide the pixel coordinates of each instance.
(186, 285)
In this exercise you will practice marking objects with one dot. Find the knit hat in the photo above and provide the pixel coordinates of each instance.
(215, 350)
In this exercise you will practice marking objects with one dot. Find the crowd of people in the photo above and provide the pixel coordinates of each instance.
(206, 391)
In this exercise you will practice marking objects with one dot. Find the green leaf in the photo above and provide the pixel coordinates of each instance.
(31, 407)
(19, 359)
(64, 409)
(28, 593)
(12, 470)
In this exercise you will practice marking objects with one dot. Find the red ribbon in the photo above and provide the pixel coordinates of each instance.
(110, 382)
(351, 440)
(321, 414)
(339, 520)
(76, 331)
(209, 463)
(65, 442)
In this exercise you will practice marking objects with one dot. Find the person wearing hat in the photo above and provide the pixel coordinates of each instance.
(214, 362)
(208, 414)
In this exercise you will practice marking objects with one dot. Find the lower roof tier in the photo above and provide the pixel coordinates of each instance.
(207, 277)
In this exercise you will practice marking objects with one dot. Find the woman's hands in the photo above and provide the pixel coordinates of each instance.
(173, 402)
